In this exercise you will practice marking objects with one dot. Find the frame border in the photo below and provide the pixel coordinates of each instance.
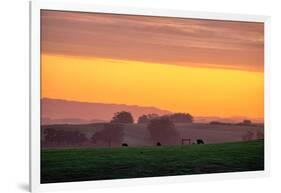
(35, 81)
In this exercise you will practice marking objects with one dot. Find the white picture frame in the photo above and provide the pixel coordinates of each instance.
(36, 6)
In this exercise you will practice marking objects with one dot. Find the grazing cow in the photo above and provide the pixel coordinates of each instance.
(200, 141)
(124, 145)
(158, 144)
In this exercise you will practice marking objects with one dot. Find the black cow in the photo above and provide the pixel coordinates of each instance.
(124, 145)
(158, 144)
(200, 141)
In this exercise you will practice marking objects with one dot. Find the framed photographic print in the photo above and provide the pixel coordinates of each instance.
(124, 95)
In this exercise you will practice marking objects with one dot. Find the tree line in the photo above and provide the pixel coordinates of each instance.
(161, 129)
(126, 117)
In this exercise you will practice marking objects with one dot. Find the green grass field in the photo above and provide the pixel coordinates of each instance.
(66, 165)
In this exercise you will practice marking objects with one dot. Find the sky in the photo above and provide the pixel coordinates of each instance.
(203, 67)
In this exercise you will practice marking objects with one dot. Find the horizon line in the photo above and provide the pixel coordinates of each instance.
(133, 105)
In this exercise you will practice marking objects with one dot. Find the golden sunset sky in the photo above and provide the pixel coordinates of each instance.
(203, 67)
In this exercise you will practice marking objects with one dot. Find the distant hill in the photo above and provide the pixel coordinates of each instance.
(208, 119)
(53, 121)
(57, 111)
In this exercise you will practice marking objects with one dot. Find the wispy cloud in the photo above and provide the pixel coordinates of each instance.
(154, 39)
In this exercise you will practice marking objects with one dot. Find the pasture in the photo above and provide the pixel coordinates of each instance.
(82, 164)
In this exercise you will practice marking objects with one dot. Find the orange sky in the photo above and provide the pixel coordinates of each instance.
(204, 67)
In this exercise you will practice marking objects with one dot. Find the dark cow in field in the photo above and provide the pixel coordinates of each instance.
(124, 145)
(200, 141)
(158, 144)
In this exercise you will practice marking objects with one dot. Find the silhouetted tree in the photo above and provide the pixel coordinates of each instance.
(147, 118)
(111, 134)
(247, 122)
(122, 117)
(260, 135)
(248, 136)
(49, 136)
(181, 118)
(162, 130)
(143, 119)
(152, 116)
(62, 137)
(219, 123)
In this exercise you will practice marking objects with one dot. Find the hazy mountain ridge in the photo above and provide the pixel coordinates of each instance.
(58, 111)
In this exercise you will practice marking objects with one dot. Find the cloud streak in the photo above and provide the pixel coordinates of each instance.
(175, 41)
